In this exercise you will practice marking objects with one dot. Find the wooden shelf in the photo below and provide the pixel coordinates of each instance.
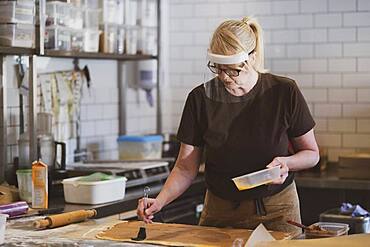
(73, 54)
(94, 55)
(16, 51)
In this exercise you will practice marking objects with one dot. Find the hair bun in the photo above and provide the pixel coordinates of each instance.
(246, 20)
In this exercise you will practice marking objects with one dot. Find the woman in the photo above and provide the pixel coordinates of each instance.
(245, 120)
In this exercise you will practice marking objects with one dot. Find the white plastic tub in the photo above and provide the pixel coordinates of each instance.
(19, 35)
(131, 40)
(58, 38)
(83, 192)
(147, 41)
(110, 33)
(328, 229)
(58, 13)
(3, 218)
(17, 12)
(112, 11)
(24, 178)
(140, 147)
(91, 40)
(91, 18)
(257, 178)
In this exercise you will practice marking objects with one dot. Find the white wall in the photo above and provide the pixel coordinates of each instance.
(99, 110)
(323, 44)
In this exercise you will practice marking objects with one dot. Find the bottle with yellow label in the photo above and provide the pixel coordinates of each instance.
(39, 184)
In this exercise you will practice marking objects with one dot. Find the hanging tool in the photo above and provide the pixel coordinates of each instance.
(141, 235)
(64, 219)
(23, 90)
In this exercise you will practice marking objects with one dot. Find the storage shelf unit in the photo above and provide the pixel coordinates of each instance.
(40, 51)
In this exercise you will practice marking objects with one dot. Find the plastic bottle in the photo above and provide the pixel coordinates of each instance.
(39, 185)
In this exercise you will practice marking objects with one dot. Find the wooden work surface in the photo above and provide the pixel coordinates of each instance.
(180, 235)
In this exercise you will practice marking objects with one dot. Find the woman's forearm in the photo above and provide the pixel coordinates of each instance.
(177, 182)
(302, 160)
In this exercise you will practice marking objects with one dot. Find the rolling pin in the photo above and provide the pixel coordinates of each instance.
(64, 219)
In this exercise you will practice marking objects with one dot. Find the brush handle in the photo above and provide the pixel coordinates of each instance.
(298, 224)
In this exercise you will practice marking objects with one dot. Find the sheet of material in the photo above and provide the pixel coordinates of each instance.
(180, 235)
(260, 234)
(356, 240)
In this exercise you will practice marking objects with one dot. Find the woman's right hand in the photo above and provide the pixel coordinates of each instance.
(152, 206)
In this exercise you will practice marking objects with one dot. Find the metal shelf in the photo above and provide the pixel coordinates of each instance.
(95, 55)
(16, 51)
(73, 54)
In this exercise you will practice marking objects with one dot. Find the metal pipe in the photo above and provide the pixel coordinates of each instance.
(159, 103)
(122, 99)
(32, 107)
(40, 27)
(4, 117)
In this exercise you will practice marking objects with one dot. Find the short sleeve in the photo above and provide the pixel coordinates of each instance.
(190, 130)
(301, 120)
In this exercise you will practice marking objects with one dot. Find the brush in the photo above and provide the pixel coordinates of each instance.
(141, 235)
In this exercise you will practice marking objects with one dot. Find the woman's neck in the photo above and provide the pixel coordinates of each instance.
(250, 81)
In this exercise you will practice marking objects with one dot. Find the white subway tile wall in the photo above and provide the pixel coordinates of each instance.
(99, 109)
(323, 44)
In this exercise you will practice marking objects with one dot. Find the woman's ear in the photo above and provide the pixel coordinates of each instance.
(252, 58)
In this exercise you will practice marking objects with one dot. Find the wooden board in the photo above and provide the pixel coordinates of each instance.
(180, 235)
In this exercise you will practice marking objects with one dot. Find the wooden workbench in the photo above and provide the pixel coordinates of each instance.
(21, 233)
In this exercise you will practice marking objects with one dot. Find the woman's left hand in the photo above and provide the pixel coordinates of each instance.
(284, 169)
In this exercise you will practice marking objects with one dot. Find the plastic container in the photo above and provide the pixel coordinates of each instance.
(112, 11)
(19, 35)
(58, 13)
(257, 178)
(329, 229)
(147, 13)
(58, 38)
(131, 9)
(109, 38)
(24, 178)
(76, 20)
(91, 40)
(17, 12)
(91, 18)
(359, 224)
(121, 35)
(77, 40)
(147, 41)
(2, 227)
(94, 192)
(140, 147)
(89, 4)
(131, 40)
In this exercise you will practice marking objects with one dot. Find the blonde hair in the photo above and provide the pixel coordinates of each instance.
(234, 36)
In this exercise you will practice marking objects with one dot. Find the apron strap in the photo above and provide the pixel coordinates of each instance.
(260, 207)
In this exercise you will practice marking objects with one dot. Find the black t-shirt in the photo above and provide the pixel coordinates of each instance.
(245, 134)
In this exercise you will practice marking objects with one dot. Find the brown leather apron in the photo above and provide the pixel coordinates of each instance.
(272, 211)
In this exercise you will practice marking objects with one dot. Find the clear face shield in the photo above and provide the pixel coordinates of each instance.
(218, 70)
